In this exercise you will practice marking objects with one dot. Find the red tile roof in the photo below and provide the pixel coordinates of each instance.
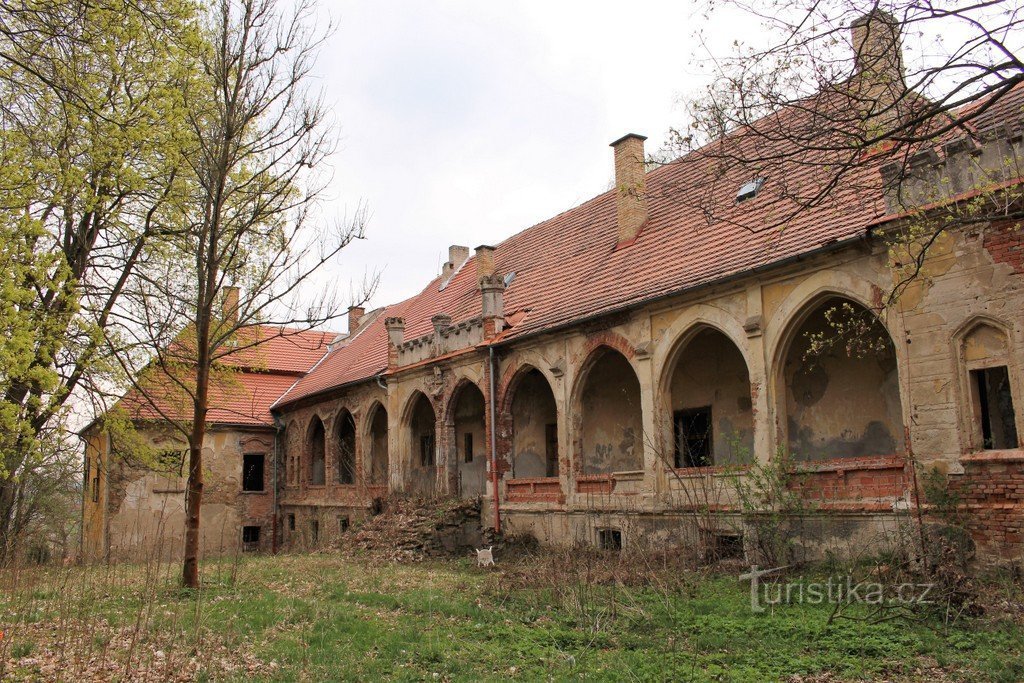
(567, 268)
(267, 362)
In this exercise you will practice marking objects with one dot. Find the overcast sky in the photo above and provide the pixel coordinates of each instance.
(464, 122)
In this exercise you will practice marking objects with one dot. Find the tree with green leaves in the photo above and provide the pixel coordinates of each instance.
(92, 120)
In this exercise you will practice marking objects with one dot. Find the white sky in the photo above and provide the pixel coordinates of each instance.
(464, 122)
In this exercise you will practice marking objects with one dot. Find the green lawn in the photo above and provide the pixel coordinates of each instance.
(326, 617)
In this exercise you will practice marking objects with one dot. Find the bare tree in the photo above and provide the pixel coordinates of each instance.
(838, 92)
(248, 223)
(89, 125)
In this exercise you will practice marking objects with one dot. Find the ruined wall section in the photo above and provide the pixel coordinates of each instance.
(145, 507)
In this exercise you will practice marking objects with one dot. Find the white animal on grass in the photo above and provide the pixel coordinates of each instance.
(484, 557)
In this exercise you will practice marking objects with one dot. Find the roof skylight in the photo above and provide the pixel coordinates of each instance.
(749, 190)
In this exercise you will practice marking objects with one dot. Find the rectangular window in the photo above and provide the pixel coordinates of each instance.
(994, 408)
(609, 539)
(96, 482)
(291, 521)
(343, 524)
(551, 450)
(427, 450)
(252, 472)
(171, 461)
(467, 445)
(314, 531)
(250, 538)
(693, 437)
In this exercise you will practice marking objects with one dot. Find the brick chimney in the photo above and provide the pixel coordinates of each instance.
(484, 261)
(457, 255)
(879, 84)
(630, 187)
(877, 47)
(229, 304)
(396, 335)
(355, 314)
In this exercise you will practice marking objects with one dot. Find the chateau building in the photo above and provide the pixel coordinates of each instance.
(604, 376)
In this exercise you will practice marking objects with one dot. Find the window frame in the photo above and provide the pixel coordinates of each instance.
(262, 469)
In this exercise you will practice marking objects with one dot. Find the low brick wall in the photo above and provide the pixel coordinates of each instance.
(868, 483)
(991, 492)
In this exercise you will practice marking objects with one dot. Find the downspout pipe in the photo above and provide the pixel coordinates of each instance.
(494, 444)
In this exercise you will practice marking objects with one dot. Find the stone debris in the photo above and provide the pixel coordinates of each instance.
(411, 530)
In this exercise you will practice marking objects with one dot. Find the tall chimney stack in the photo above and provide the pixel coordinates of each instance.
(879, 85)
(355, 314)
(229, 305)
(877, 48)
(396, 335)
(631, 190)
(484, 261)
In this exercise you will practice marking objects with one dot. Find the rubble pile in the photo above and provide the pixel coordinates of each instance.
(409, 530)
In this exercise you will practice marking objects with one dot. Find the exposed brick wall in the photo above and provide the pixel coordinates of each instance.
(1004, 240)
(851, 480)
(991, 492)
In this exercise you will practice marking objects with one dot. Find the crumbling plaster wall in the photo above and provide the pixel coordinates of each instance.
(147, 508)
(968, 278)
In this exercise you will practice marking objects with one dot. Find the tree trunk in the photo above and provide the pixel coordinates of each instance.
(194, 489)
(193, 506)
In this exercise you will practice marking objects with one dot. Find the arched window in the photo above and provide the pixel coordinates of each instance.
(534, 427)
(317, 453)
(378, 445)
(842, 395)
(985, 353)
(470, 446)
(346, 448)
(710, 403)
(611, 424)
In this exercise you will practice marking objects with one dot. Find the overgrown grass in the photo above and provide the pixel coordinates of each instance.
(328, 617)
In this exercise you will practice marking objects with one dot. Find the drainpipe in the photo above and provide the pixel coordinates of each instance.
(494, 447)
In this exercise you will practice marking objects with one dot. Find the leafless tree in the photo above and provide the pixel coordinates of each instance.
(832, 93)
(249, 221)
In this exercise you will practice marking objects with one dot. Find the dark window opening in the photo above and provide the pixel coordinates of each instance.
(252, 472)
(95, 483)
(995, 408)
(347, 451)
(343, 524)
(427, 450)
(250, 538)
(314, 531)
(609, 539)
(693, 437)
(171, 461)
(551, 449)
(725, 547)
(468, 447)
(291, 521)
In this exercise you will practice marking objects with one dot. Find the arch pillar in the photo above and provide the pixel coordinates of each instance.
(765, 436)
